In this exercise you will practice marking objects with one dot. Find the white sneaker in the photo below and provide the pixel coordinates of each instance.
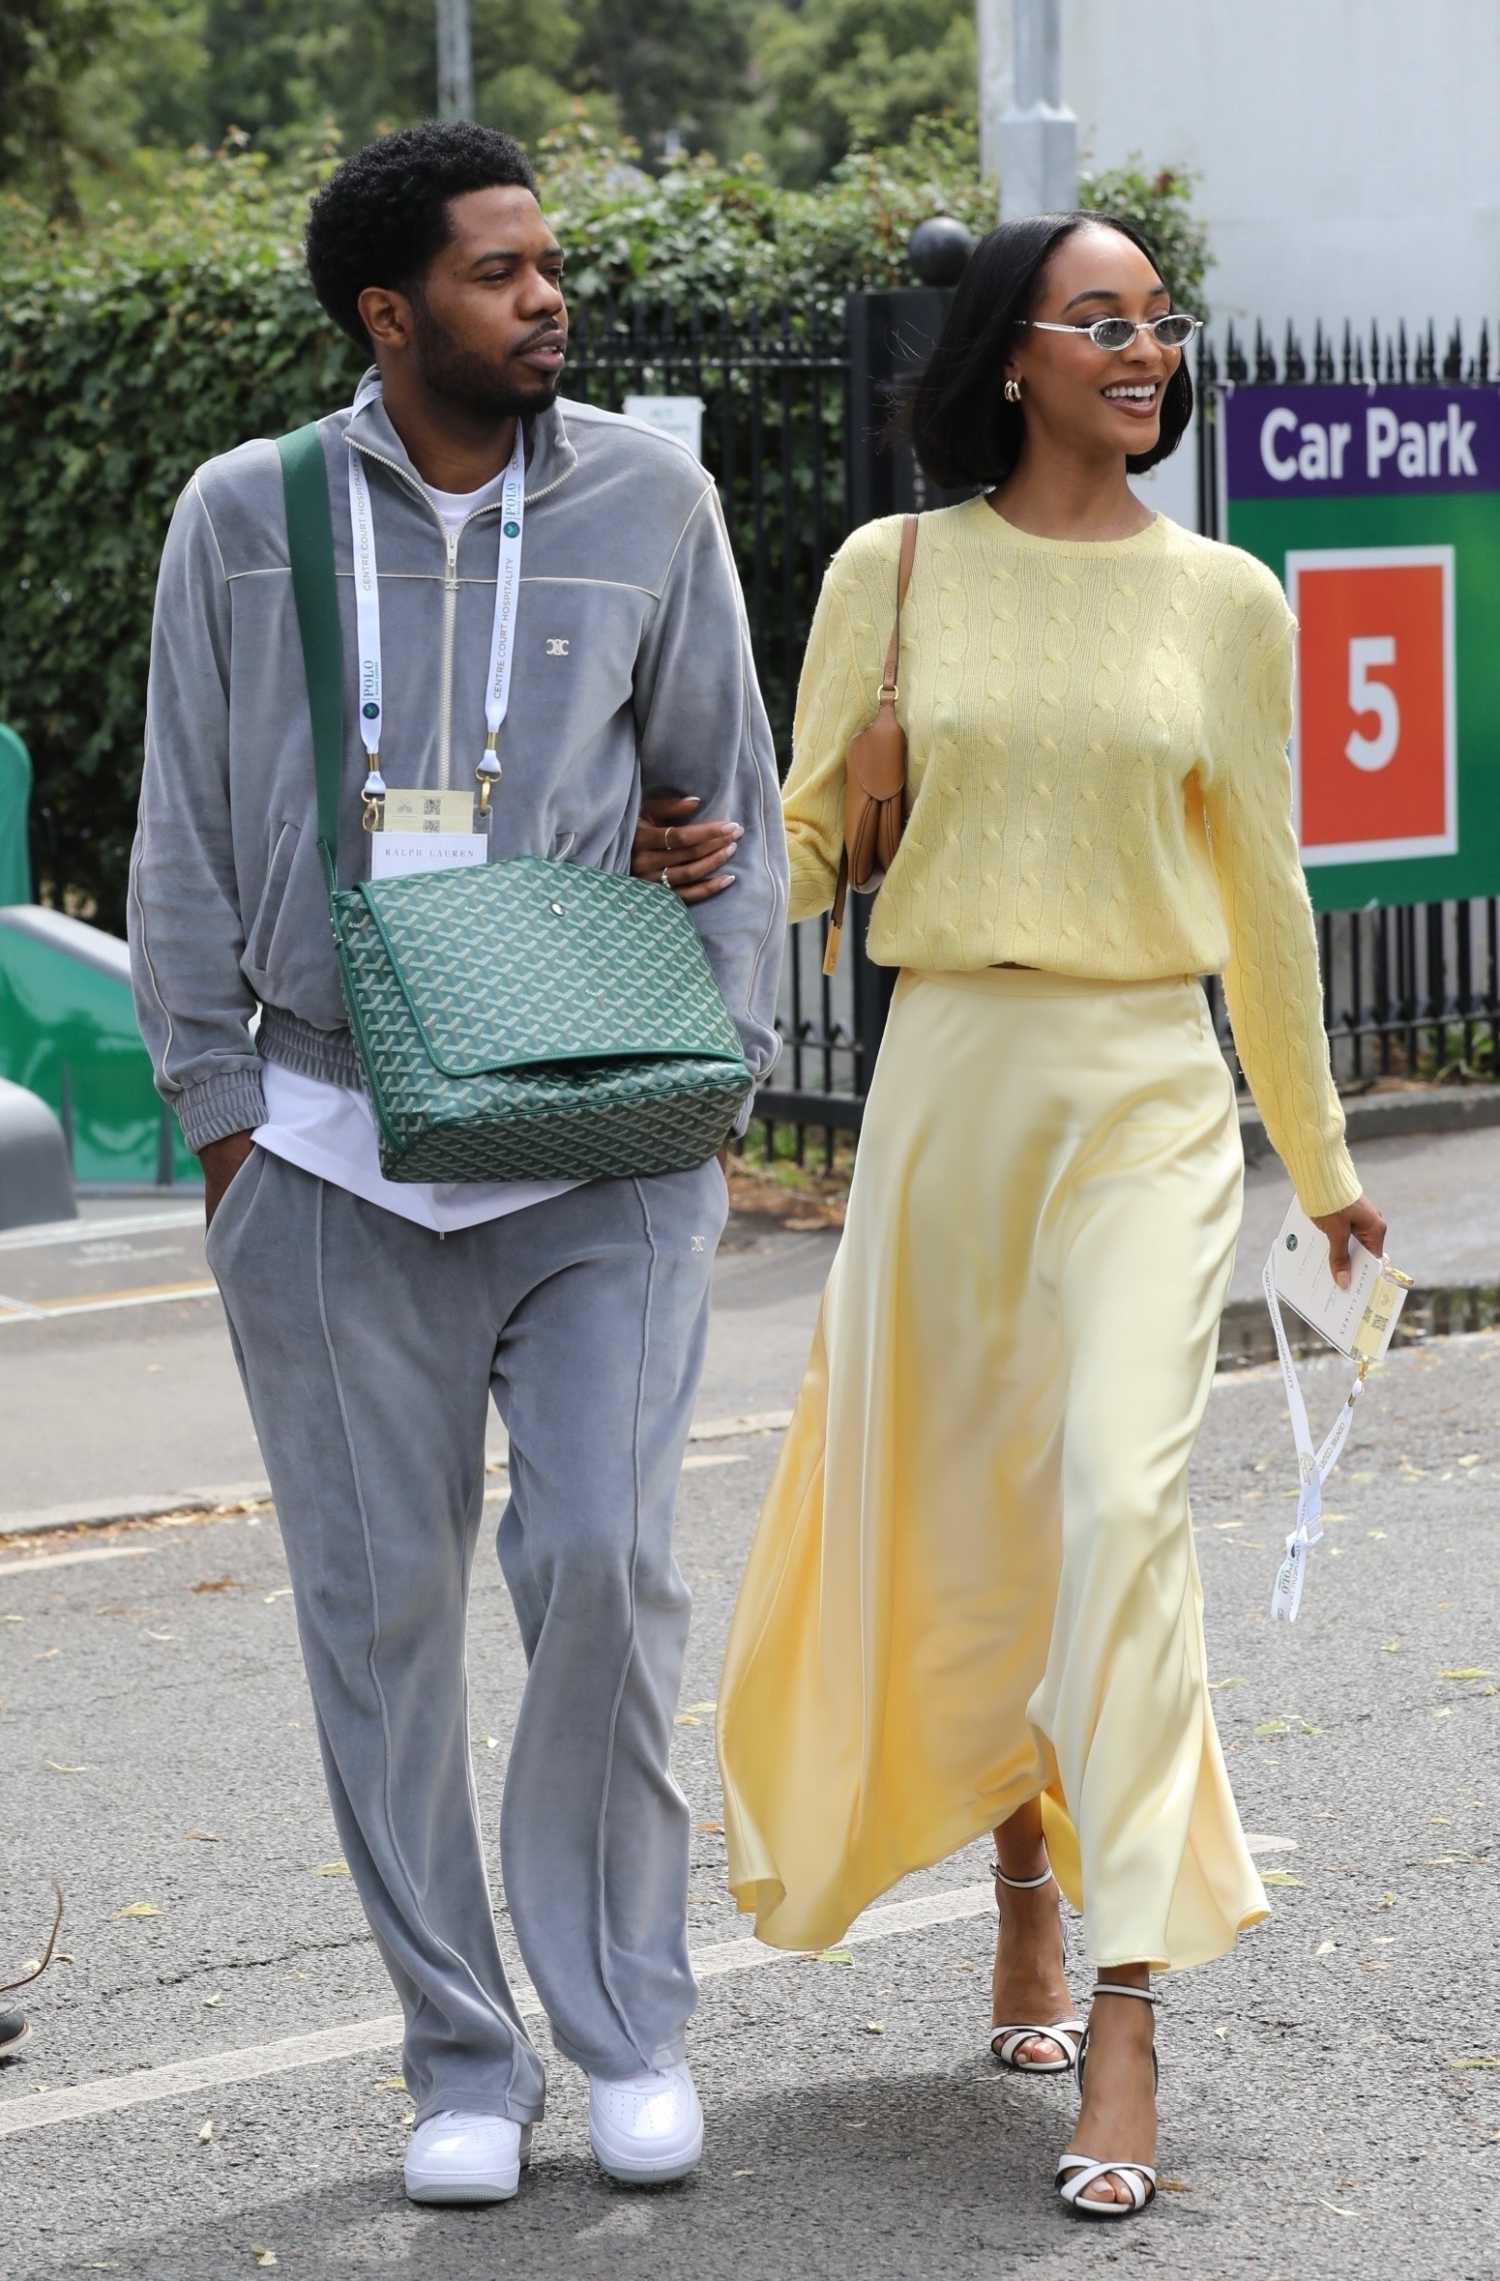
(466, 2158)
(647, 2130)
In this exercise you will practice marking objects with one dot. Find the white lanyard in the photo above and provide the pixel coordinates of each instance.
(502, 637)
(1314, 1466)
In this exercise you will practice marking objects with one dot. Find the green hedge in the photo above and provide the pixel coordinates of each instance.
(166, 333)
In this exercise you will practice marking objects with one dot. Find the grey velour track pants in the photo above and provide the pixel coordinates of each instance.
(369, 1348)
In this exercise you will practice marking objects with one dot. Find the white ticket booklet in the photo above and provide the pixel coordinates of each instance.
(1359, 1321)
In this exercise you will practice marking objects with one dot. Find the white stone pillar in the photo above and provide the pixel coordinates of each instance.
(1038, 133)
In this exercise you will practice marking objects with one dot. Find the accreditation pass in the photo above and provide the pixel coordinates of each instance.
(426, 831)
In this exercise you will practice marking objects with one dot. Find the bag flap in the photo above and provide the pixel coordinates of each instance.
(875, 763)
(519, 964)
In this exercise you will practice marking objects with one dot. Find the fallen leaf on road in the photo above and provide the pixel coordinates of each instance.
(1392, 1647)
(206, 2133)
(1325, 1948)
(1466, 1671)
(1443, 1711)
(204, 1837)
(686, 1719)
(163, 1636)
(332, 1869)
(874, 2027)
(705, 1709)
(1337, 2211)
(264, 2256)
(742, 2173)
(139, 1909)
(283, 1592)
(1375, 1535)
(1488, 2061)
(834, 1956)
(492, 1742)
(47, 1655)
(218, 1584)
(1279, 1877)
(216, 1998)
(1386, 1901)
(1471, 1460)
(1173, 2186)
(8, 1618)
(391, 2083)
(1273, 1727)
(58, 1767)
(710, 1829)
(1219, 1686)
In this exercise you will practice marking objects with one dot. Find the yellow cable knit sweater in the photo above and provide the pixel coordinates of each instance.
(1097, 742)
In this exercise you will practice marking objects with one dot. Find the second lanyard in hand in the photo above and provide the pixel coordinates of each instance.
(502, 636)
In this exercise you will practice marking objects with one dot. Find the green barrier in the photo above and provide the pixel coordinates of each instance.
(68, 1033)
(15, 801)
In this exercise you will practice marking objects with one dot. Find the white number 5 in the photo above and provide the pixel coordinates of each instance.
(1370, 696)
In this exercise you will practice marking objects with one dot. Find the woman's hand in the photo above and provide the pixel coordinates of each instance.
(688, 857)
(1360, 1219)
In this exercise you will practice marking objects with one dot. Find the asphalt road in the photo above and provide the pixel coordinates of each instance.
(1331, 2095)
(116, 1380)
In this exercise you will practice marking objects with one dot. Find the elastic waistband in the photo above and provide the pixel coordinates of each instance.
(294, 1044)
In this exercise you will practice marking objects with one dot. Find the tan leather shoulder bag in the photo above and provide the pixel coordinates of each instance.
(875, 776)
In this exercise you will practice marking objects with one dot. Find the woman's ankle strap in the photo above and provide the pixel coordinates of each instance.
(1019, 1884)
(1118, 1988)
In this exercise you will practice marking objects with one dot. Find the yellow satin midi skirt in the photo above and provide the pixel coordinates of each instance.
(974, 1581)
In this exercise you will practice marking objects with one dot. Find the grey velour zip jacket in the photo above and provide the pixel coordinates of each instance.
(632, 669)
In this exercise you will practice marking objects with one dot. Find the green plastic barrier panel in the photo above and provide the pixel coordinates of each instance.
(68, 1033)
(15, 800)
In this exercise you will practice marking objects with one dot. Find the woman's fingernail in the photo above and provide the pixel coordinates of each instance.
(736, 831)
(728, 879)
(692, 803)
(1341, 1278)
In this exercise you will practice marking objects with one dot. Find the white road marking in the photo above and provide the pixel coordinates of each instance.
(65, 1310)
(81, 2102)
(24, 1567)
(98, 1231)
(18, 1310)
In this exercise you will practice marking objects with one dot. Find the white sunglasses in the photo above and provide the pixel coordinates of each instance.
(1172, 331)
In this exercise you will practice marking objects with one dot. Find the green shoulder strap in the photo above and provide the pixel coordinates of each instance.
(309, 530)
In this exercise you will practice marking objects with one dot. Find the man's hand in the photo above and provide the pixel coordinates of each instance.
(221, 1160)
(1361, 1220)
(688, 857)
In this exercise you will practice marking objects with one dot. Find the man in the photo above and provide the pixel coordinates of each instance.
(372, 1320)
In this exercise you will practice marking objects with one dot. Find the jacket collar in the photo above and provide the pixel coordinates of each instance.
(550, 455)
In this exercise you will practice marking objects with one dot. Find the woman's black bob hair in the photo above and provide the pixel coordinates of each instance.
(961, 428)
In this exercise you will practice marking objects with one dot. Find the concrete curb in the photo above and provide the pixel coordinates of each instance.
(105, 1512)
(1395, 1116)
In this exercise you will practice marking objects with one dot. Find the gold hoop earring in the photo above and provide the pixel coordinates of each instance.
(1013, 392)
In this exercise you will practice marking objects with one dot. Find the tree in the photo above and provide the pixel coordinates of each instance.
(839, 75)
(677, 71)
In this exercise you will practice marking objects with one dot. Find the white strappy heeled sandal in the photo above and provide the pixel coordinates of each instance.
(1009, 2040)
(1077, 2172)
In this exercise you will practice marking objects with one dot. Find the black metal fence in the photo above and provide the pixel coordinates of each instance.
(1408, 992)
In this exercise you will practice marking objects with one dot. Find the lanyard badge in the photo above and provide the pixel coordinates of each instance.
(502, 635)
(1360, 1322)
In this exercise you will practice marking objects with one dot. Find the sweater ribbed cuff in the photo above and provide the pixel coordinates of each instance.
(1324, 1178)
(231, 1101)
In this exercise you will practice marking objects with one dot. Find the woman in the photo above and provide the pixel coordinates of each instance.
(973, 1602)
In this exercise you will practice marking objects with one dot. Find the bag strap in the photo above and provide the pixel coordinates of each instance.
(888, 693)
(309, 532)
(888, 688)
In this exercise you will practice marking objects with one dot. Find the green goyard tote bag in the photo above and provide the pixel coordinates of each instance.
(523, 1020)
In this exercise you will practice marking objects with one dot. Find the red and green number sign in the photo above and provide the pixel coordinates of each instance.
(1379, 510)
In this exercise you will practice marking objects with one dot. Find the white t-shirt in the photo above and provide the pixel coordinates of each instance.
(330, 1130)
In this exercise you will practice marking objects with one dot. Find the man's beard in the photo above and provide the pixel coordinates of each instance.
(470, 385)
